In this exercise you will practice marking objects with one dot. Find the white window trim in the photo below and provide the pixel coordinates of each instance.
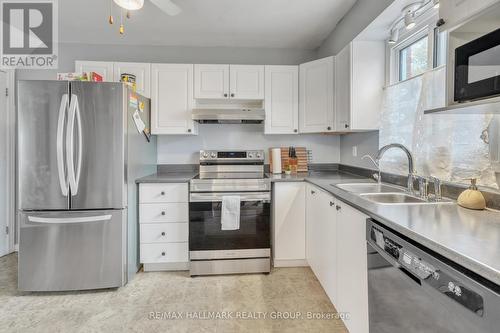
(425, 27)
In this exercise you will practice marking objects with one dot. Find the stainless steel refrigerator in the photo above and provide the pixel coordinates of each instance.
(79, 153)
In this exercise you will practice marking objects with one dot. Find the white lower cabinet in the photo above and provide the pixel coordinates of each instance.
(321, 224)
(164, 226)
(336, 253)
(352, 283)
(289, 248)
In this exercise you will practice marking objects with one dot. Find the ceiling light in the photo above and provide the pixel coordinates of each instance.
(393, 39)
(130, 4)
(410, 20)
(435, 4)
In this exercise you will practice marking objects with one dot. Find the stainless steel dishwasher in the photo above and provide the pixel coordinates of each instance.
(413, 289)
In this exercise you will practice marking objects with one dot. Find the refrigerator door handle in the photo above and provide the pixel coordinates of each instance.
(58, 220)
(80, 143)
(63, 178)
(74, 117)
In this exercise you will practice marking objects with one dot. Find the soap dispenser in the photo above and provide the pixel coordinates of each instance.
(472, 198)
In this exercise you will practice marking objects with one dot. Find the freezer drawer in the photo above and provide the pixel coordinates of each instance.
(72, 250)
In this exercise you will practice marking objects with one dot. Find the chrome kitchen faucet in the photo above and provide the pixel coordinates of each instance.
(411, 171)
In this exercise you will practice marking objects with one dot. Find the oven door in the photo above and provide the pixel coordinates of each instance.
(205, 233)
(477, 68)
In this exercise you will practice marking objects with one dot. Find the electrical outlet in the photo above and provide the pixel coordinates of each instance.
(354, 151)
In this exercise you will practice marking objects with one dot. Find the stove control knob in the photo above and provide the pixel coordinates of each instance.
(204, 155)
(213, 155)
(259, 155)
(250, 155)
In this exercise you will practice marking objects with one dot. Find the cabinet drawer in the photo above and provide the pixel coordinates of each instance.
(164, 212)
(164, 232)
(164, 252)
(151, 193)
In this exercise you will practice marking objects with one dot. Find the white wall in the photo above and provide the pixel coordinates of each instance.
(365, 143)
(180, 149)
(69, 52)
(359, 17)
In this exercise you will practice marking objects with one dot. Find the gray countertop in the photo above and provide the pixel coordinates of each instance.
(168, 177)
(467, 237)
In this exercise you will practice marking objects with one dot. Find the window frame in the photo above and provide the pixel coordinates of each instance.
(426, 24)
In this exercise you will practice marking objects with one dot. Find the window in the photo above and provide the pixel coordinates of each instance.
(413, 59)
(417, 50)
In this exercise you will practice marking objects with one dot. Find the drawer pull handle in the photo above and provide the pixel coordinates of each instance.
(162, 193)
(163, 233)
(163, 213)
(163, 254)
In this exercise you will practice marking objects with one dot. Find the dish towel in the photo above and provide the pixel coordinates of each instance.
(230, 215)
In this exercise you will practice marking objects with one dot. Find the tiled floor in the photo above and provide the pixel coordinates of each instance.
(284, 292)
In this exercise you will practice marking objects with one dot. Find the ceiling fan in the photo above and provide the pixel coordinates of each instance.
(167, 6)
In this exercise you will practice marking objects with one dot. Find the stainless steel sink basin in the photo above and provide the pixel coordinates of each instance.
(368, 188)
(399, 199)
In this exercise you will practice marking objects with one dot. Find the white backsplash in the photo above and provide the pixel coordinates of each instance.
(446, 146)
(183, 149)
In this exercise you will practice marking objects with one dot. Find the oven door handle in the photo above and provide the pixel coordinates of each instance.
(244, 196)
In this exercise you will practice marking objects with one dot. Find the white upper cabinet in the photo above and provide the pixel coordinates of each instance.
(211, 81)
(453, 12)
(111, 72)
(316, 96)
(359, 82)
(172, 99)
(103, 68)
(246, 81)
(282, 99)
(142, 72)
(240, 82)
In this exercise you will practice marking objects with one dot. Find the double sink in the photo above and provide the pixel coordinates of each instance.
(386, 194)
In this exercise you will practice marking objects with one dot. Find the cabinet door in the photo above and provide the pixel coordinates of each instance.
(328, 244)
(343, 89)
(312, 228)
(366, 84)
(142, 72)
(211, 81)
(172, 99)
(352, 268)
(246, 82)
(103, 68)
(282, 100)
(316, 91)
(289, 223)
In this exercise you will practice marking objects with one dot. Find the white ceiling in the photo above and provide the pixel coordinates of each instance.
(301, 24)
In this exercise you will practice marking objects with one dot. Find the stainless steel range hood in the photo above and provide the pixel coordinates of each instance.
(229, 116)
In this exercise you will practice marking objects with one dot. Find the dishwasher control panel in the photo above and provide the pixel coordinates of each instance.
(408, 258)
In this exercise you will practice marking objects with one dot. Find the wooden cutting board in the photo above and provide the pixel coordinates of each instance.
(301, 153)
